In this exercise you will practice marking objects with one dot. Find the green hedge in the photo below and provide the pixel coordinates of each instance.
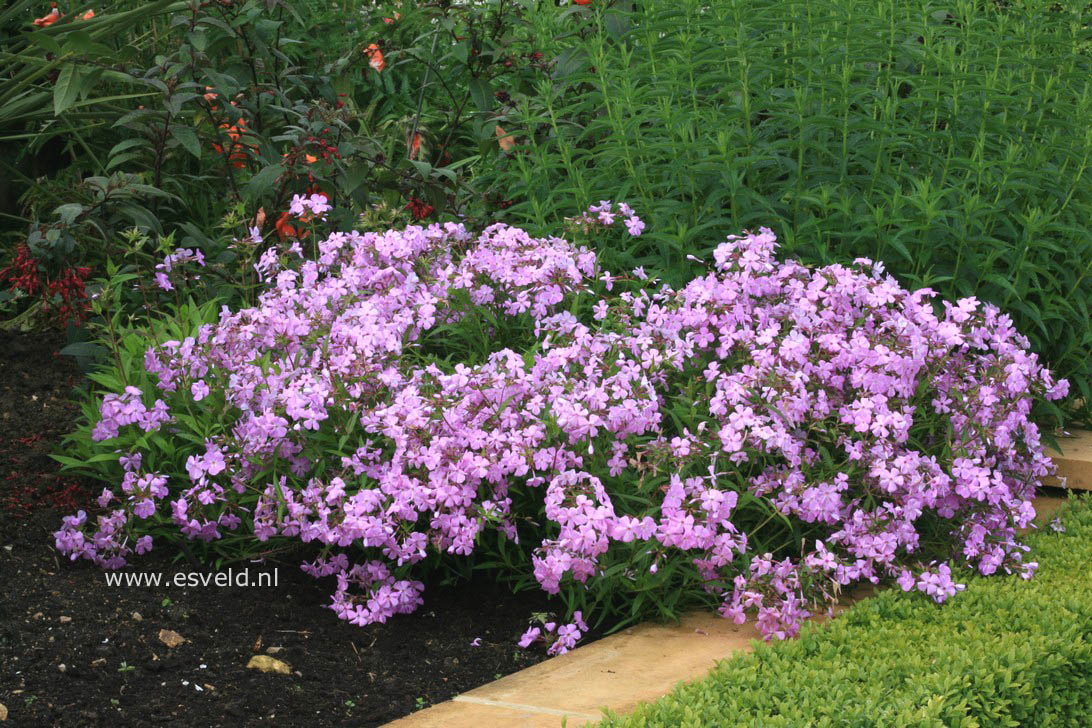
(1005, 652)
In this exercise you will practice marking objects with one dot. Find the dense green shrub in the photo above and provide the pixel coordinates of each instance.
(58, 78)
(950, 140)
(209, 116)
(1002, 653)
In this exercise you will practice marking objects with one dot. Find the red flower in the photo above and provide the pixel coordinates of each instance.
(285, 229)
(238, 150)
(23, 274)
(419, 209)
(581, 2)
(47, 20)
(375, 57)
(74, 302)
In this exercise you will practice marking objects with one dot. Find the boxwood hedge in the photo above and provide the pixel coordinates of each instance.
(1005, 652)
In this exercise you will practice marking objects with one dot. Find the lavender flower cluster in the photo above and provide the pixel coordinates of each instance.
(176, 260)
(841, 400)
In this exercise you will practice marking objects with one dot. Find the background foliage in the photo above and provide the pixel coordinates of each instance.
(194, 122)
(949, 140)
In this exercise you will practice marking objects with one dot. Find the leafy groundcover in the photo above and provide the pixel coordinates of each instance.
(1006, 652)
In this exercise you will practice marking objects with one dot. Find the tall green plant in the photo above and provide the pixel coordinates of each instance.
(40, 80)
(950, 140)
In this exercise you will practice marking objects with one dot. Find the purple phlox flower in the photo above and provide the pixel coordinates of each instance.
(131, 461)
(199, 390)
(529, 636)
(299, 205)
(319, 204)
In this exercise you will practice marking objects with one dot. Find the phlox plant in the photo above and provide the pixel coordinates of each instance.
(757, 440)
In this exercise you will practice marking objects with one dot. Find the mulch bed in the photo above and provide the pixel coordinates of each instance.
(77, 652)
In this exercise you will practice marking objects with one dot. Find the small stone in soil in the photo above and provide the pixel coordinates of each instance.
(170, 638)
(268, 664)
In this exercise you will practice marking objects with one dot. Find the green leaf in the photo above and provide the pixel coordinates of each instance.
(444, 172)
(482, 93)
(82, 348)
(187, 137)
(125, 145)
(141, 217)
(69, 212)
(617, 24)
(423, 168)
(80, 41)
(461, 53)
(137, 189)
(571, 61)
(103, 457)
(261, 183)
(355, 176)
(199, 40)
(68, 462)
(463, 162)
(47, 43)
(66, 90)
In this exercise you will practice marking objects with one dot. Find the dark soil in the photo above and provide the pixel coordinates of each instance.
(77, 652)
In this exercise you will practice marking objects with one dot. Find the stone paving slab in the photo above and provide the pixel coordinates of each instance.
(1075, 461)
(1045, 507)
(466, 714)
(635, 665)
